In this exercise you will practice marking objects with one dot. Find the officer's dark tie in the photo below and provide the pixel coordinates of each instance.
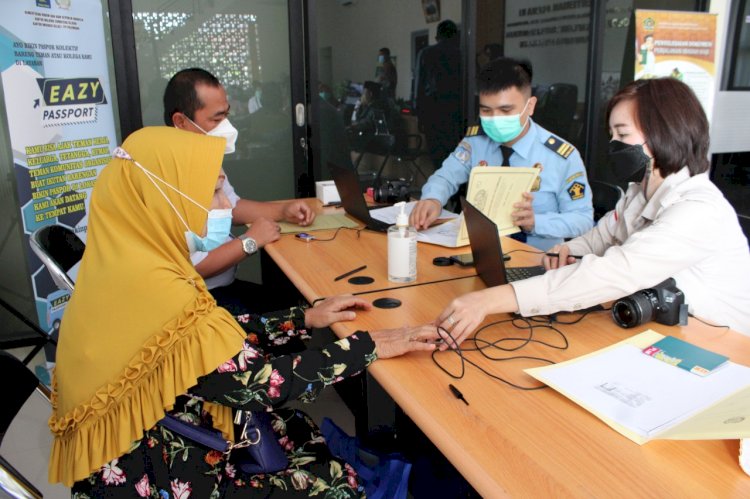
(507, 152)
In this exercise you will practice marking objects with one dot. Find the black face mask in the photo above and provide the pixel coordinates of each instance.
(628, 162)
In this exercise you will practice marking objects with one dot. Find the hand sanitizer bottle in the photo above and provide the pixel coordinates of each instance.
(402, 249)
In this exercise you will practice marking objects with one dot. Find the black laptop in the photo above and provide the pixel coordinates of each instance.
(347, 184)
(487, 252)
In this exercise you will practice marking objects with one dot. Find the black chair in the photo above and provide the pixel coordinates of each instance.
(378, 141)
(556, 110)
(59, 249)
(19, 385)
(604, 197)
(29, 335)
(407, 148)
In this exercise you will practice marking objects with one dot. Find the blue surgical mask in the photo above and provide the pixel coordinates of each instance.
(218, 228)
(381, 59)
(218, 225)
(503, 129)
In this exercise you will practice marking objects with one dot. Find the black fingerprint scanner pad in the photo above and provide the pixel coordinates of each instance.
(387, 303)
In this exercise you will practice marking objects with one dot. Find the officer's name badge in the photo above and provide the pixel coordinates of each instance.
(538, 181)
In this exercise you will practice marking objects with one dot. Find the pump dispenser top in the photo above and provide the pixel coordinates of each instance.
(402, 219)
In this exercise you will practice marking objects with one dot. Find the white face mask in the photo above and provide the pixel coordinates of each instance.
(224, 130)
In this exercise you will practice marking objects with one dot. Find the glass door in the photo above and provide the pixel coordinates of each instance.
(246, 45)
(372, 47)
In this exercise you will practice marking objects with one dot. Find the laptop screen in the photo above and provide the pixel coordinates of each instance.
(347, 184)
(485, 245)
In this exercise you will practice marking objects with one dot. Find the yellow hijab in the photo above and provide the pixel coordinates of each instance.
(140, 327)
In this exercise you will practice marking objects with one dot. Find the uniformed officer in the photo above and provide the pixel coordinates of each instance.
(560, 206)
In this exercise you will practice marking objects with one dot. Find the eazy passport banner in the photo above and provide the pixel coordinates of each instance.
(56, 86)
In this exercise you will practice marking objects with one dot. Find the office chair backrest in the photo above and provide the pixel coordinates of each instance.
(556, 109)
(59, 249)
(604, 197)
(15, 395)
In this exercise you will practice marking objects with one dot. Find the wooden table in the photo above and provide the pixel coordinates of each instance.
(312, 266)
(510, 442)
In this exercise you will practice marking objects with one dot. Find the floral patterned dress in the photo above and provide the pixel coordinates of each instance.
(165, 465)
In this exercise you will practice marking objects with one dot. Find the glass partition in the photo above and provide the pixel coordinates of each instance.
(245, 44)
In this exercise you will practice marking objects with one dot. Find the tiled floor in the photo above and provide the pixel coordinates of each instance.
(27, 444)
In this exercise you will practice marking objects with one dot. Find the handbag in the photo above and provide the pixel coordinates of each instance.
(256, 451)
(384, 476)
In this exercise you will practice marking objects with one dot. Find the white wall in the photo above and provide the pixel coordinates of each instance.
(730, 131)
(357, 31)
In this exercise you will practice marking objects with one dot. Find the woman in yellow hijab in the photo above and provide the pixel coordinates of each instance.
(142, 337)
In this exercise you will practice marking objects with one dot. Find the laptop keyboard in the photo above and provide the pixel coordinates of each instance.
(520, 273)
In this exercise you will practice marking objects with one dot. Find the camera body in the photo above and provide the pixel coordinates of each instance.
(392, 191)
(664, 303)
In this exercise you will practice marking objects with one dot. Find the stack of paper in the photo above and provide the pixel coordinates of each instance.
(644, 398)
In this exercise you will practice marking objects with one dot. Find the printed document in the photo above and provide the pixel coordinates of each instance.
(493, 190)
(645, 398)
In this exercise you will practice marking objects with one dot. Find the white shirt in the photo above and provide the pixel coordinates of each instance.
(687, 231)
(227, 277)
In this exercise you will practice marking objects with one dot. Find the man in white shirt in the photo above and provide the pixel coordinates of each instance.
(195, 101)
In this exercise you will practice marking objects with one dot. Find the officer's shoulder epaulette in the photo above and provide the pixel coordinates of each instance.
(474, 130)
(559, 146)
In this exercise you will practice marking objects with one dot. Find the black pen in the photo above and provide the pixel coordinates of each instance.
(347, 274)
(457, 393)
(336, 204)
(577, 257)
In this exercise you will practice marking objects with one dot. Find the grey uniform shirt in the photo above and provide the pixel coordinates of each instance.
(687, 231)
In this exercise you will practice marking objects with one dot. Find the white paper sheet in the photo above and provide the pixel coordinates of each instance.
(389, 213)
(640, 392)
(445, 234)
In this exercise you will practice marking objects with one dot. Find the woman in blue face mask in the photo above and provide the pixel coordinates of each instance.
(673, 222)
(143, 337)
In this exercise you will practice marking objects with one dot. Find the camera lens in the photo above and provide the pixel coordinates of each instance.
(635, 309)
(625, 314)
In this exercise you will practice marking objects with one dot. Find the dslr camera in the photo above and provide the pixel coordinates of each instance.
(392, 191)
(664, 303)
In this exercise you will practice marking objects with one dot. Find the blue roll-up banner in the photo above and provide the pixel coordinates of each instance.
(57, 94)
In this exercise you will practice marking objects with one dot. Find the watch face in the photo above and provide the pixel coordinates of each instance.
(249, 245)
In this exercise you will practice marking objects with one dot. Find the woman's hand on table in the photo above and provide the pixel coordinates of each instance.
(394, 342)
(334, 309)
(562, 258)
(464, 314)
